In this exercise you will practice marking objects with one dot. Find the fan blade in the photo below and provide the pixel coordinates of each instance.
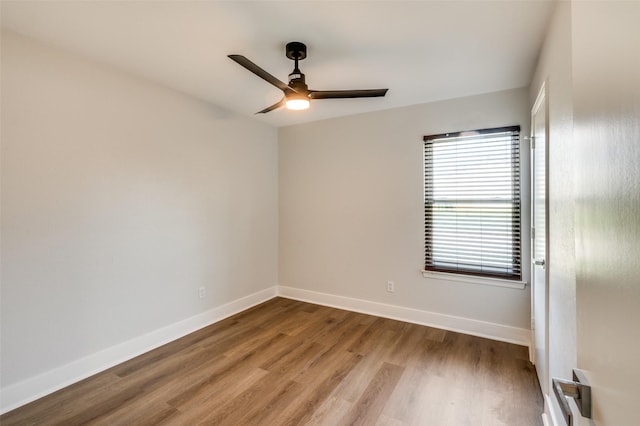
(277, 105)
(241, 60)
(342, 94)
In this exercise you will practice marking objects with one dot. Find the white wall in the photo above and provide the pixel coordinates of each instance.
(606, 94)
(351, 209)
(120, 198)
(554, 67)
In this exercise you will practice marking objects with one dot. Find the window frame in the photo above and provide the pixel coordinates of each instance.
(507, 279)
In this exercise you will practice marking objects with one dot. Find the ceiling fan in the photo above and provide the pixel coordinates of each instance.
(297, 95)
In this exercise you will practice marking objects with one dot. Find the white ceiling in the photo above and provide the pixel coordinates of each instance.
(421, 50)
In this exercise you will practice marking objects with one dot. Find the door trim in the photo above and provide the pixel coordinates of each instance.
(541, 99)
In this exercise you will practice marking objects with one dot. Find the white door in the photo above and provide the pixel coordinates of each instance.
(606, 119)
(539, 295)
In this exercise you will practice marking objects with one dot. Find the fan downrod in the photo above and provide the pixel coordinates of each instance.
(296, 51)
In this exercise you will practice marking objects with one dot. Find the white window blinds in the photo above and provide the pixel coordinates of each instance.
(472, 202)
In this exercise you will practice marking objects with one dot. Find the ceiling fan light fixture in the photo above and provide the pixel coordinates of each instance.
(297, 102)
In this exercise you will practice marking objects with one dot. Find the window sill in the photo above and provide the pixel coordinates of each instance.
(497, 282)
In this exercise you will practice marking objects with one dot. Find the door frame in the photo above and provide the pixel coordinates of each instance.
(541, 99)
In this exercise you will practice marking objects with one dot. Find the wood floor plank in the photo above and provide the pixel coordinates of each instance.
(369, 406)
(317, 391)
(326, 360)
(186, 343)
(368, 338)
(406, 348)
(434, 400)
(278, 403)
(331, 412)
(360, 377)
(296, 360)
(140, 413)
(389, 421)
(229, 371)
(408, 396)
(90, 391)
(196, 410)
(248, 403)
(141, 383)
(287, 362)
(336, 329)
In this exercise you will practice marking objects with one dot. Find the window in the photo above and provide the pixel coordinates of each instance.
(472, 203)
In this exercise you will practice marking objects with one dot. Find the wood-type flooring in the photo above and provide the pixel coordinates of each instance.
(286, 362)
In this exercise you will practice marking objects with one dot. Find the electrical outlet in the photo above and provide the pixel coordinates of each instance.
(391, 287)
(201, 292)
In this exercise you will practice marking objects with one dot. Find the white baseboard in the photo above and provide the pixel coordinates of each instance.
(504, 333)
(549, 417)
(21, 393)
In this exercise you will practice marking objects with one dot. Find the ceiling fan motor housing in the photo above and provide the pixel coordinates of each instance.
(297, 81)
